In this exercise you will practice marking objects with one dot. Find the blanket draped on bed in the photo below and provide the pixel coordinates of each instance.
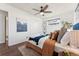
(48, 47)
(37, 38)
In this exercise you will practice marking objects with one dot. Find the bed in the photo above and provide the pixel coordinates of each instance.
(44, 47)
(59, 47)
(42, 44)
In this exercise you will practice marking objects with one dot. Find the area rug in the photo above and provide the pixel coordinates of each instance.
(27, 51)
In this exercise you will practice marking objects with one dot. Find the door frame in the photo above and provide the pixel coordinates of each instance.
(6, 37)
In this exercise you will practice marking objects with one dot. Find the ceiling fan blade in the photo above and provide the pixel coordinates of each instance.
(45, 7)
(36, 9)
(47, 11)
(36, 13)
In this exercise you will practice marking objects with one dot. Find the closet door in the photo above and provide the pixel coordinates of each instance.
(2, 28)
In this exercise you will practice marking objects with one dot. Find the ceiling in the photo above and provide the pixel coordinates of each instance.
(56, 8)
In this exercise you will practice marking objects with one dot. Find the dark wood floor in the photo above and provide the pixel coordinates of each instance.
(10, 51)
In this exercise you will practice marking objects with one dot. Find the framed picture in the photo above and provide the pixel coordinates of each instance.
(55, 21)
(21, 25)
(53, 24)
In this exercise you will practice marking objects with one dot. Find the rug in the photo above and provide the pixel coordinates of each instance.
(27, 51)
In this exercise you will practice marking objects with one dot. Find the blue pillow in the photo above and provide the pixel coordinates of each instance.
(76, 26)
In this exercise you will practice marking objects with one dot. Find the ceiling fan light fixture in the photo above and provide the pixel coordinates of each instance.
(42, 10)
(42, 13)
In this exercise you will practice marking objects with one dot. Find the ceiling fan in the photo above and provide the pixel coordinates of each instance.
(42, 10)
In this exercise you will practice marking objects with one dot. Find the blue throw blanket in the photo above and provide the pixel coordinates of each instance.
(36, 39)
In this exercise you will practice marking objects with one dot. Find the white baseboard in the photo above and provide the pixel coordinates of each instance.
(2, 42)
(14, 43)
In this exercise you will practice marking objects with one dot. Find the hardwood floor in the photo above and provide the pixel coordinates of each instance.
(10, 51)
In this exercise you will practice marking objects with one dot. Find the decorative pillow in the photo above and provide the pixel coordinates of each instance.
(65, 39)
(61, 33)
(76, 26)
(50, 35)
(54, 35)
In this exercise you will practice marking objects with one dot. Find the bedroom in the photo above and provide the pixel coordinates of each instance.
(37, 24)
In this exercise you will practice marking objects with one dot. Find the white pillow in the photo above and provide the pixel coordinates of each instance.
(65, 39)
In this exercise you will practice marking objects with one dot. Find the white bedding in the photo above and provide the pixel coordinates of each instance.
(64, 41)
(41, 42)
(57, 47)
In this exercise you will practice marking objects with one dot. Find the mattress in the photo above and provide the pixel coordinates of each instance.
(41, 42)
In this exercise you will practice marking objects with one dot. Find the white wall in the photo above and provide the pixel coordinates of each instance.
(66, 16)
(76, 20)
(2, 25)
(2, 28)
(52, 28)
(33, 24)
(3, 13)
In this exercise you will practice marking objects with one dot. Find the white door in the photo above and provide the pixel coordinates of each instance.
(2, 28)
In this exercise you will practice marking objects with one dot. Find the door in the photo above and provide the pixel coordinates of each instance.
(2, 28)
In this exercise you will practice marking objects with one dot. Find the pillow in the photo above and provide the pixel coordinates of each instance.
(76, 26)
(65, 39)
(54, 35)
(61, 33)
(50, 35)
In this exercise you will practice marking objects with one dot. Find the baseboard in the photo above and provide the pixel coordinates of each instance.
(2, 42)
(18, 42)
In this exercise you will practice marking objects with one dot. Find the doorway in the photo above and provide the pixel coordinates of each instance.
(3, 27)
